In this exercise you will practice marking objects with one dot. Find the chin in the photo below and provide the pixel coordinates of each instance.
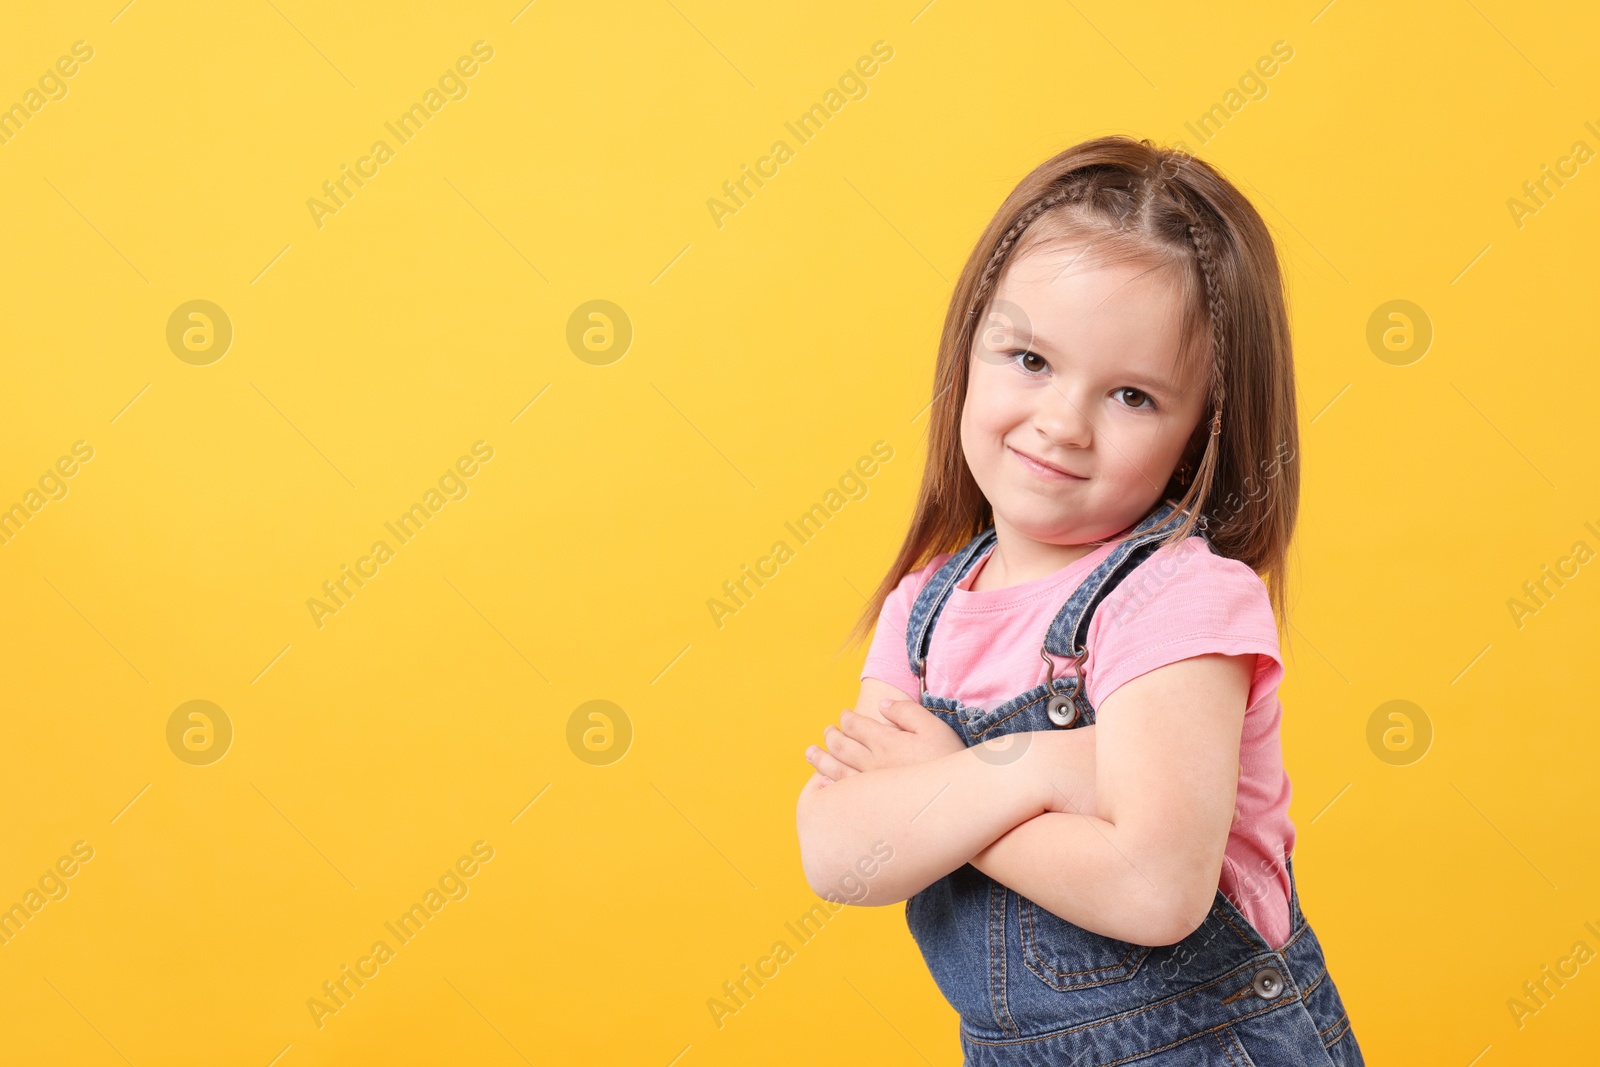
(1050, 530)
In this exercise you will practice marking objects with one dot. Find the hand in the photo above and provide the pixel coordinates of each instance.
(859, 743)
(817, 781)
(1061, 764)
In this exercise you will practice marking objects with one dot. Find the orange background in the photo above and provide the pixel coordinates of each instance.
(742, 365)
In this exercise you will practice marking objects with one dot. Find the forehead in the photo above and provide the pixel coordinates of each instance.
(1059, 296)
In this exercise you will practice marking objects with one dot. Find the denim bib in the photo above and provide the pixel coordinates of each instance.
(1032, 988)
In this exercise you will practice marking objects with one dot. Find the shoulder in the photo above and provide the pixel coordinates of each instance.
(1190, 581)
(1183, 600)
(886, 657)
(896, 610)
(905, 593)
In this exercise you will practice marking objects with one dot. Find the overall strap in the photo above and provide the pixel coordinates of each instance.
(930, 601)
(1068, 636)
(1070, 630)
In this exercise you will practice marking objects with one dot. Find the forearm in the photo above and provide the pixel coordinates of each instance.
(1072, 768)
(935, 815)
(1080, 868)
(1070, 862)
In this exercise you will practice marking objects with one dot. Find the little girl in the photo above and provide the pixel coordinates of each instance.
(1065, 754)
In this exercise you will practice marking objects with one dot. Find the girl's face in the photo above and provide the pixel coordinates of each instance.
(1074, 368)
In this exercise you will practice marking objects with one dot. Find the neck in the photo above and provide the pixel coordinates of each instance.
(1018, 558)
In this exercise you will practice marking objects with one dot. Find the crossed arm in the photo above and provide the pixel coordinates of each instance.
(1118, 827)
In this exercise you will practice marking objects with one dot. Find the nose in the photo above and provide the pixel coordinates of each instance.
(1063, 420)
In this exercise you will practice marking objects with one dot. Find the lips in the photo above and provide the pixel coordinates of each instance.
(1044, 468)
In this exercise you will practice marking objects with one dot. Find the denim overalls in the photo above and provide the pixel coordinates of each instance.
(1032, 988)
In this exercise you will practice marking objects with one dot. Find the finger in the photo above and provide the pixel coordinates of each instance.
(861, 728)
(846, 749)
(905, 714)
(826, 765)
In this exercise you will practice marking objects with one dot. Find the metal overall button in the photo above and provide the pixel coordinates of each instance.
(1268, 983)
(1062, 708)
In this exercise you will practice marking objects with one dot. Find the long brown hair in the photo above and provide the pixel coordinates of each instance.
(1136, 202)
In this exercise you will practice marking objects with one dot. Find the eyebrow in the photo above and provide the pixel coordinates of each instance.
(1145, 381)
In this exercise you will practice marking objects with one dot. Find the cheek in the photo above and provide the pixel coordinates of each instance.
(989, 409)
(982, 423)
(979, 441)
(1135, 453)
(973, 410)
(969, 434)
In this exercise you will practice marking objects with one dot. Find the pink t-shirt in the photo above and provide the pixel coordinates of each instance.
(1181, 601)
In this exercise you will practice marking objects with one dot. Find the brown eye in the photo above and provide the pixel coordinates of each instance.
(1022, 359)
(1138, 393)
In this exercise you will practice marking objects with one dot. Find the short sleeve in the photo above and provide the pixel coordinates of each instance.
(886, 656)
(1183, 601)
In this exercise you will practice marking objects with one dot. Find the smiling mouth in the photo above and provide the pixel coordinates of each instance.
(1044, 470)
